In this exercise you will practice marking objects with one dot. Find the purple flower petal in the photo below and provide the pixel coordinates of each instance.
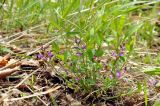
(155, 82)
(77, 40)
(83, 46)
(151, 92)
(40, 56)
(121, 54)
(110, 76)
(118, 74)
(149, 83)
(114, 54)
(79, 54)
(50, 54)
(77, 79)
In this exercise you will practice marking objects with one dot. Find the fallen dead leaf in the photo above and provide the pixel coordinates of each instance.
(11, 63)
(30, 65)
(8, 72)
(4, 60)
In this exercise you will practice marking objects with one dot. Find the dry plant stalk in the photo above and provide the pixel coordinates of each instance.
(35, 94)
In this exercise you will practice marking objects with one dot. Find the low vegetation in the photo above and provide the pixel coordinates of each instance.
(80, 52)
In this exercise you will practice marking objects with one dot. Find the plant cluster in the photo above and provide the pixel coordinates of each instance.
(95, 39)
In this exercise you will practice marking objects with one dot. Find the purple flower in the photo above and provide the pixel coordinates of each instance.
(114, 54)
(151, 92)
(149, 83)
(79, 54)
(121, 54)
(77, 40)
(40, 56)
(110, 76)
(77, 79)
(155, 82)
(50, 54)
(83, 47)
(118, 74)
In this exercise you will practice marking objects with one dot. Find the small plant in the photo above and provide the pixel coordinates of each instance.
(96, 44)
(4, 50)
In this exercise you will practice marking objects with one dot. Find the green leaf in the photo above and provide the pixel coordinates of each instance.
(121, 22)
(41, 3)
(122, 58)
(91, 82)
(152, 71)
(132, 29)
(4, 49)
(90, 54)
(61, 57)
(72, 33)
(92, 32)
(139, 86)
(108, 83)
(145, 94)
(157, 103)
(55, 47)
(130, 46)
(66, 56)
(68, 9)
(54, 24)
(99, 52)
